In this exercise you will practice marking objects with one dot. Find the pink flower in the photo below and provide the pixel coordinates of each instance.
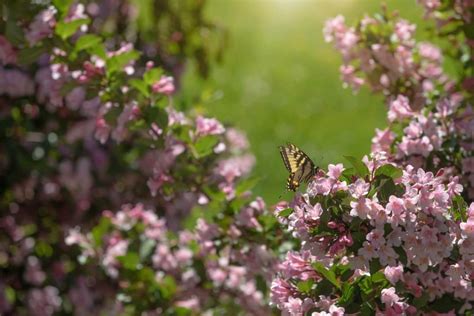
(208, 126)
(7, 52)
(404, 30)
(75, 98)
(165, 85)
(280, 291)
(293, 306)
(43, 302)
(335, 171)
(396, 209)
(191, 303)
(15, 83)
(359, 189)
(468, 165)
(349, 78)
(468, 227)
(42, 26)
(430, 52)
(394, 274)
(399, 109)
(237, 140)
(382, 140)
(334, 26)
(389, 296)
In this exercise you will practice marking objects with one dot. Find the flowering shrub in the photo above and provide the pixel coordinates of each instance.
(86, 124)
(377, 239)
(392, 235)
(430, 118)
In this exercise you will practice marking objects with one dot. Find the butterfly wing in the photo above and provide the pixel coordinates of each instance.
(300, 166)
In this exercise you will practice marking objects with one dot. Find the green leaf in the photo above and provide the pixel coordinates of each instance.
(305, 286)
(459, 208)
(130, 260)
(347, 174)
(100, 230)
(286, 212)
(379, 278)
(14, 33)
(62, 5)
(67, 29)
(246, 185)
(141, 86)
(146, 248)
(152, 75)
(420, 302)
(27, 56)
(168, 287)
(445, 304)
(204, 145)
(10, 294)
(269, 221)
(327, 274)
(181, 311)
(365, 284)
(87, 41)
(348, 294)
(366, 309)
(389, 171)
(358, 165)
(118, 62)
(374, 266)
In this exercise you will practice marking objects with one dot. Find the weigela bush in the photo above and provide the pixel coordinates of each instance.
(88, 124)
(392, 235)
(377, 239)
(430, 114)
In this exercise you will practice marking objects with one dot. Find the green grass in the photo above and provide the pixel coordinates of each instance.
(279, 82)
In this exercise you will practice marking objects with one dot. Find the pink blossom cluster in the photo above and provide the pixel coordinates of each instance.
(85, 128)
(176, 256)
(428, 114)
(412, 236)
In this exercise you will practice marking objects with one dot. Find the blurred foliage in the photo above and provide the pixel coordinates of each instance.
(279, 82)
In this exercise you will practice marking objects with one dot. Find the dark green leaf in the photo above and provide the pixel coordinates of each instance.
(286, 212)
(374, 266)
(358, 165)
(146, 248)
(67, 29)
(100, 230)
(130, 260)
(168, 287)
(389, 171)
(118, 62)
(459, 208)
(348, 293)
(380, 279)
(327, 274)
(421, 301)
(26, 56)
(366, 309)
(87, 41)
(62, 5)
(152, 75)
(141, 86)
(305, 286)
(246, 185)
(445, 304)
(204, 145)
(14, 33)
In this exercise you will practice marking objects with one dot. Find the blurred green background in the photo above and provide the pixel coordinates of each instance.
(279, 82)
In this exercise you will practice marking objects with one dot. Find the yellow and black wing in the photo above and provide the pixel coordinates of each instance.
(300, 166)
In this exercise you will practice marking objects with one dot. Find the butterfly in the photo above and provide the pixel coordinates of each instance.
(300, 166)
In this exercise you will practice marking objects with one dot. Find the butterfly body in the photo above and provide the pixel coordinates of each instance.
(300, 166)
